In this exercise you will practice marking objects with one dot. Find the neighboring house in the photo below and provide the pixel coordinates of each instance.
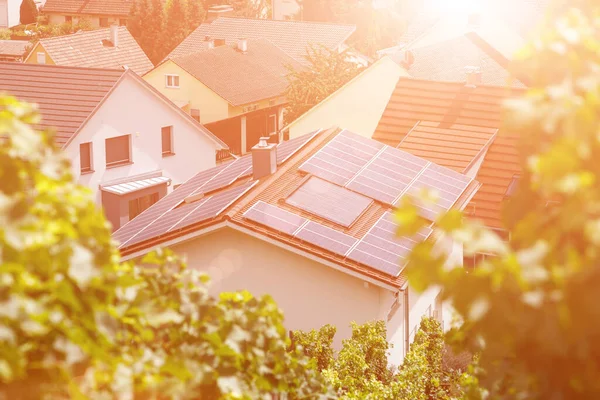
(99, 13)
(13, 50)
(125, 140)
(237, 92)
(10, 13)
(293, 37)
(356, 106)
(457, 126)
(285, 9)
(112, 48)
(310, 222)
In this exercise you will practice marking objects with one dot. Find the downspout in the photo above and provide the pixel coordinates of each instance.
(404, 291)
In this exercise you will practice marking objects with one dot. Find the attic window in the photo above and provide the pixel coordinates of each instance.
(41, 57)
(172, 81)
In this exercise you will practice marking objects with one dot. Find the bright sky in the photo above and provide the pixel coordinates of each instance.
(457, 7)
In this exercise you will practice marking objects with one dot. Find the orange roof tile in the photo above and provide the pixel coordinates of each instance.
(93, 49)
(91, 7)
(453, 146)
(454, 104)
(161, 222)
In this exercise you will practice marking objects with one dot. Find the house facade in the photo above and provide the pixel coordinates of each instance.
(111, 48)
(237, 91)
(13, 50)
(10, 13)
(311, 228)
(356, 106)
(99, 13)
(129, 153)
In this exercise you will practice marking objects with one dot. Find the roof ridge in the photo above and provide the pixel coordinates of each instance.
(80, 33)
(285, 21)
(459, 84)
(53, 66)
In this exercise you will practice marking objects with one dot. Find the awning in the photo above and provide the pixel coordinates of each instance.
(181, 103)
(130, 187)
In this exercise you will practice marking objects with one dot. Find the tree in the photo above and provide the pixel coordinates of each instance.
(531, 312)
(176, 27)
(75, 322)
(251, 8)
(29, 12)
(195, 15)
(154, 35)
(327, 71)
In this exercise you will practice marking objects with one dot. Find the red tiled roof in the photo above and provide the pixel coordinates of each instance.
(156, 225)
(241, 78)
(13, 47)
(66, 96)
(449, 104)
(293, 37)
(95, 50)
(453, 146)
(89, 7)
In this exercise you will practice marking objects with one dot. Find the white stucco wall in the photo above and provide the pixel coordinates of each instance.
(10, 13)
(132, 109)
(309, 293)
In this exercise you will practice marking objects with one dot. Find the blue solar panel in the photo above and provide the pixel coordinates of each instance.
(326, 238)
(275, 218)
(329, 201)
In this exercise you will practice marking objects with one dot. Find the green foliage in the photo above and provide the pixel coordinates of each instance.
(77, 323)
(176, 25)
(317, 345)
(251, 8)
(5, 34)
(195, 14)
(532, 311)
(327, 72)
(29, 12)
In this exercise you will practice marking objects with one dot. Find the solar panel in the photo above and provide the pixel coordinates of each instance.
(340, 159)
(382, 250)
(275, 218)
(286, 149)
(326, 238)
(388, 175)
(329, 201)
(228, 175)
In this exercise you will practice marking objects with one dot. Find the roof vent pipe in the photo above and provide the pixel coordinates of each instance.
(242, 45)
(114, 35)
(210, 42)
(264, 158)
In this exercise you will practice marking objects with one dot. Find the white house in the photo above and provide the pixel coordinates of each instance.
(10, 13)
(126, 141)
(310, 222)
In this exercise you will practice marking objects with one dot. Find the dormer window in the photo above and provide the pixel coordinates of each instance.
(172, 81)
(41, 57)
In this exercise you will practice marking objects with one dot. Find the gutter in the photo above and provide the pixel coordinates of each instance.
(404, 291)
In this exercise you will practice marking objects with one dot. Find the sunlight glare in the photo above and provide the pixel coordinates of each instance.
(455, 7)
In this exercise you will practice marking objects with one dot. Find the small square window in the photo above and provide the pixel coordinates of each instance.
(85, 157)
(69, 19)
(172, 81)
(118, 151)
(103, 22)
(195, 113)
(41, 57)
(167, 140)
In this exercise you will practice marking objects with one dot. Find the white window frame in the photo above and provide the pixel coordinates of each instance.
(172, 85)
(41, 57)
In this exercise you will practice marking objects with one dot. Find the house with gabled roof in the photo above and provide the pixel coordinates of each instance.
(13, 50)
(99, 13)
(111, 48)
(129, 153)
(292, 37)
(310, 222)
(237, 91)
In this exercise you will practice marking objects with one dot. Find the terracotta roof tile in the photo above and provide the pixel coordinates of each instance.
(66, 96)
(456, 146)
(241, 78)
(293, 37)
(450, 105)
(90, 7)
(13, 47)
(154, 226)
(95, 50)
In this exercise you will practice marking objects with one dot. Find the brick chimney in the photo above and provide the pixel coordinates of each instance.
(210, 42)
(242, 45)
(474, 76)
(114, 35)
(264, 158)
(215, 12)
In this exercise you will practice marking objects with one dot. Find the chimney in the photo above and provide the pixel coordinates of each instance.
(215, 12)
(264, 158)
(242, 45)
(210, 42)
(114, 35)
(474, 76)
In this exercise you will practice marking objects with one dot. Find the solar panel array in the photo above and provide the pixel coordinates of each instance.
(379, 248)
(384, 173)
(207, 181)
(329, 201)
